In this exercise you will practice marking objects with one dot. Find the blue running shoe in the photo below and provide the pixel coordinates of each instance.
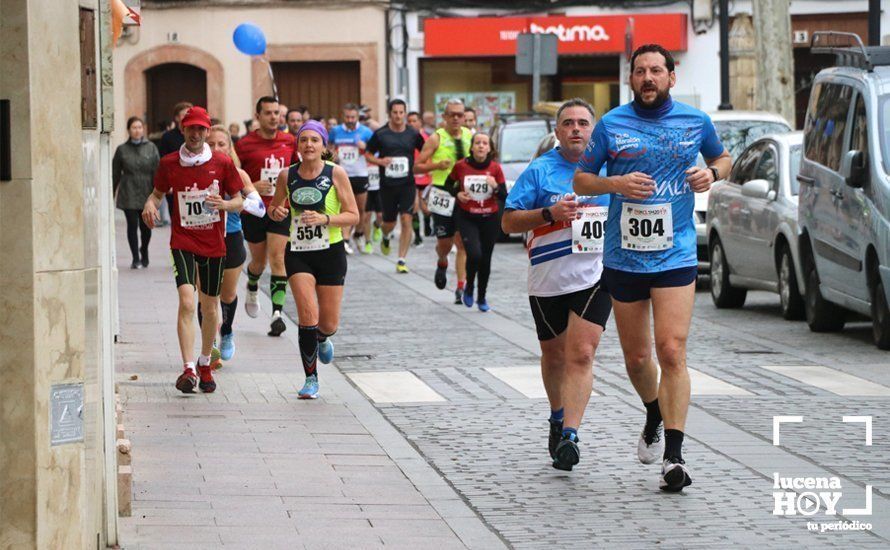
(483, 305)
(310, 388)
(227, 346)
(468, 296)
(326, 351)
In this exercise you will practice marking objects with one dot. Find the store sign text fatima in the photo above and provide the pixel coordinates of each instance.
(577, 35)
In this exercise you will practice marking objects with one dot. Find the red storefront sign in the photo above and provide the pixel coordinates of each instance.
(589, 34)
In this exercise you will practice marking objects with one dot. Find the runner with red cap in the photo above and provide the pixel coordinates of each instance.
(317, 196)
(264, 153)
(197, 177)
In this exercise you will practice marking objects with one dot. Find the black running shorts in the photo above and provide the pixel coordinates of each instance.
(626, 286)
(328, 265)
(551, 313)
(255, 228)
(199, 271)
(397, 200)
(443, 226)
(373, 204)
(359, 184)
(236, 254)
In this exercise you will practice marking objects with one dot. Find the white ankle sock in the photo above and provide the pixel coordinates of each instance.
(203, 360)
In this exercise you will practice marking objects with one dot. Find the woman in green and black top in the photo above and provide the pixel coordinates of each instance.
(318, 195)
(132, 175)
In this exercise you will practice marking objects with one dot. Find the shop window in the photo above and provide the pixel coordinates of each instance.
(89, 105)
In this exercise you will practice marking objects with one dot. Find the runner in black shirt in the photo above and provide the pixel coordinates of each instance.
(395, 144)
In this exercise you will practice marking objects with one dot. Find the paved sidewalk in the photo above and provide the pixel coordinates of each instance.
(250, 466)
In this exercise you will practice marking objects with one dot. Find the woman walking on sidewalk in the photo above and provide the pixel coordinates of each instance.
(320, 204)
(477, 182)
(132, 174)
(219, 139)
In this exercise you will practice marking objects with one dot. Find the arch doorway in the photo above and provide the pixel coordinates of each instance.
(168, 84)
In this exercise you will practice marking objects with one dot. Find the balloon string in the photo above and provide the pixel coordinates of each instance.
(272, 77)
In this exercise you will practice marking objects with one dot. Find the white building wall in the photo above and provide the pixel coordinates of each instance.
(698, 69)
(211, 28)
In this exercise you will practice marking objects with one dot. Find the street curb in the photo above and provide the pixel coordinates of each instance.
(463, 520)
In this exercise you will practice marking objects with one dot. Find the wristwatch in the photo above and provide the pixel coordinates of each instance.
(715, 172)
(545, 213)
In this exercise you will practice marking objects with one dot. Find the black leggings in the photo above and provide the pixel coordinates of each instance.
(134, 221)
(479, 233)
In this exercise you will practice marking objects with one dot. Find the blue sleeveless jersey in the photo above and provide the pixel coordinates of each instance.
(662, 143)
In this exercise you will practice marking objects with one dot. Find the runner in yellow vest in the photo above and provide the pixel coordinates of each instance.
(440, 153)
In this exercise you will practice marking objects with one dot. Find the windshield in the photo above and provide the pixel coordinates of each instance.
(794, 166)
(885, 131)
(736, 135)
(520, 141)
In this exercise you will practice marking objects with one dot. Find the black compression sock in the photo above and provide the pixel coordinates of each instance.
(673, 444)
(228, 316)
(253, 280)
(308, 341)
(653, 419)
(277, 291)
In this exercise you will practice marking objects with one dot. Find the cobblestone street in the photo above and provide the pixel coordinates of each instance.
(467, 460)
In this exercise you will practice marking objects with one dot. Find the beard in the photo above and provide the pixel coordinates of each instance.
(660, 97)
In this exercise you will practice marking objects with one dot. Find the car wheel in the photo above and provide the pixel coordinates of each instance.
(723, 294)
(789, 290)
(822, 315)
(880, 315)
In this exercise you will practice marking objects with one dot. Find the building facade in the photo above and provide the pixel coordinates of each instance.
(322, 56)
(471, 53)
(58, 466)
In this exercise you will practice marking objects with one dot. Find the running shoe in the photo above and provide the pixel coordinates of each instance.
(135, 265)
(401, 267)
(207, 384)
(650, 451)
(566, 454)
(214, 353)
(277, 326)
(347, 248)
(441, 277)
(368, 248)
(555, 436)
(251, 305)
(483, 305)
(459, 296)
(310, 388)
(674, 475)
(227, 346)
(418, 241)
(468, 297)
(384, 246)
(377, 235)
(359, 241)
(326, 351)
(187, 381)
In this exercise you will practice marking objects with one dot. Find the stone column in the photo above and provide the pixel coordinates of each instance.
(51, 496)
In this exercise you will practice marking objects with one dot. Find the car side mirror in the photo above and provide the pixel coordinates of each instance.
(757, 189)
(853, 168)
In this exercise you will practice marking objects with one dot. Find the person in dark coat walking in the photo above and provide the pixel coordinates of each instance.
(132, 172)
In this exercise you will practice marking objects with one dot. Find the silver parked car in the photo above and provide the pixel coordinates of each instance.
(737, 130)
(844, 209)
(752, 226)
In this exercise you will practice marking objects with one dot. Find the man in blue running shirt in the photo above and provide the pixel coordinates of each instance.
(565, 262)
(348, 141)
(649, 147)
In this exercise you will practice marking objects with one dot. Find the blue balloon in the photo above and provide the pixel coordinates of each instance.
(249, 39)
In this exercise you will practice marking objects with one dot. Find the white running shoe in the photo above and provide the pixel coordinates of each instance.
(347, 247)
(251, 305)
(652, 452)
(674, 475)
